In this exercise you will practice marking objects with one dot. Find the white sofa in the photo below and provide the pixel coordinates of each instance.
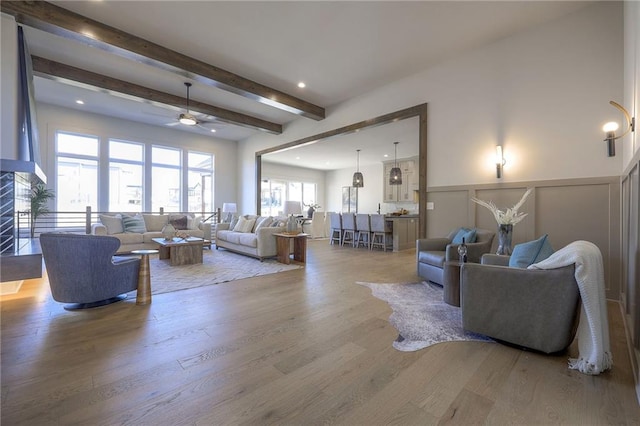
(257, 240)
(148, 226)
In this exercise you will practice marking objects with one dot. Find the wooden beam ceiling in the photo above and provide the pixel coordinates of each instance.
(62, 22)
(83, 78)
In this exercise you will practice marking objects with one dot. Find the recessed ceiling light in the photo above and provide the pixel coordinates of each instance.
(386, 155)
(213, 130)
(302, 85)
(297, 158)
(80, 102)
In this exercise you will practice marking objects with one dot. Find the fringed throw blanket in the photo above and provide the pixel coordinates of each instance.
(593, 329)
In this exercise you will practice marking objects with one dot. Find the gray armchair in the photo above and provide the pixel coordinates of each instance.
(83, 271)
(432, 253)
(536, 309)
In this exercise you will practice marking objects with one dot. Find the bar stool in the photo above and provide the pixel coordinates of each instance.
(363, 233)
(349, 229)
(335, 235)
(380, 232)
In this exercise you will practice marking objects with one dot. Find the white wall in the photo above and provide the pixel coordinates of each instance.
(52, 118)
(630, 144)
(9, 88)
(543, 94)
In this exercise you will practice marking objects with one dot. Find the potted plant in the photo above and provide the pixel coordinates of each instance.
(39, 197)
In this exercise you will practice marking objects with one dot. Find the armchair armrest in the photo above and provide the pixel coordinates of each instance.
(432, 244)
(205, 227)
(98, 229)
(521, 306)
(221, 227)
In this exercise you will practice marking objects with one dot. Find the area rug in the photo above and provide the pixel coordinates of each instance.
(420, 315)
(218, 266)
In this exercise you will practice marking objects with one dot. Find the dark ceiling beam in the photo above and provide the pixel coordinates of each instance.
(62, 22)
(80, 77)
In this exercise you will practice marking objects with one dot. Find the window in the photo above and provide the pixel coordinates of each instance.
(165, 179)
(200, 182)
(126, 171)
(274, 193)
(76, 172)
(129, 176)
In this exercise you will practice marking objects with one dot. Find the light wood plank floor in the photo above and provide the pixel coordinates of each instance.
(301, 347)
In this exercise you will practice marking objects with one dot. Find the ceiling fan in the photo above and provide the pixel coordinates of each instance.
(189, 119)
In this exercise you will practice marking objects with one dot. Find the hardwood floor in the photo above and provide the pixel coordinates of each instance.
(301, 347)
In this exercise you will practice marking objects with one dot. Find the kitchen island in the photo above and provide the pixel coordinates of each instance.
(405, 230)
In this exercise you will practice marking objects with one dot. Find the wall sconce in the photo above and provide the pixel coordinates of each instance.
(610, 129)
(500, 161)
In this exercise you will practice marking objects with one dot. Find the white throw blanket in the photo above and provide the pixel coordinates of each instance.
(593, 330)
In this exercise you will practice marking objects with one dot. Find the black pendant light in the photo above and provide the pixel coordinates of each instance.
(395, 177)
(358, 179)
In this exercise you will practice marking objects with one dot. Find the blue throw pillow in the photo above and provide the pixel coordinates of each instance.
(469, 236)
(531, 252)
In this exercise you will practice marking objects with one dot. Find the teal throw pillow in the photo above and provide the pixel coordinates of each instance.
(531, 252)
(469, 236)
(134, 224)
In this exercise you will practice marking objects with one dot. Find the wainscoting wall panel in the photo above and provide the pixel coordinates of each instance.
(566, 210)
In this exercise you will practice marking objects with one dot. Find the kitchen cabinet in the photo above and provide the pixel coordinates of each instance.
(401, 193)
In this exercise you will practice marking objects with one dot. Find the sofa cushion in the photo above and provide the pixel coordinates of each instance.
(194, 222)
(134, 224)
(233, 237)
(179, 221)
(112, 223)
(147, 237)
(234, 221)
(531, 252)
(244, 225)
(223, 234)
(129, 238)
(155, 222)
(261, 222)
(248, 239)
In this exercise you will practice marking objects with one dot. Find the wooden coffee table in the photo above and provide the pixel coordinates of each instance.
(179, 251)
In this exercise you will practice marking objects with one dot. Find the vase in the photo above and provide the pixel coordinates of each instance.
(310, 212)
(168, 231)
(504, 239)
(292, 224)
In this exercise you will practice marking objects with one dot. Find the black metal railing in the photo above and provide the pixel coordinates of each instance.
(81, 221)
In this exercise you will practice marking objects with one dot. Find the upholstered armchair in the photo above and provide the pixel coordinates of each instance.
(432, 253)
(83, 271)
(530, 308)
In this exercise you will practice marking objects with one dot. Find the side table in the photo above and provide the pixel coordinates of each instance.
(451, 285)
(143, 296)
(299, 247)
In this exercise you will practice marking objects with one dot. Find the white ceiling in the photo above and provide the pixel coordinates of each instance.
(339, 49)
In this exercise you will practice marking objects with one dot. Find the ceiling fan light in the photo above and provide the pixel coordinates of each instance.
(188, 120)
